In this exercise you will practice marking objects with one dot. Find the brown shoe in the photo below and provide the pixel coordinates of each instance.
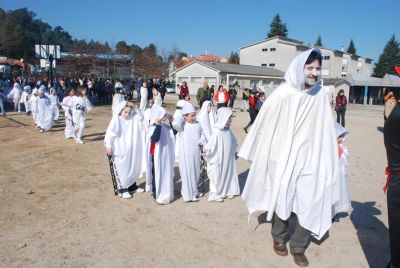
(300, 259)
(280, 249)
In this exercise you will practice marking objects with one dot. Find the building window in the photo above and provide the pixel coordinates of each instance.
(272, 49)
(265, 49)
(264, 65)
(326, 57)
(271, 64)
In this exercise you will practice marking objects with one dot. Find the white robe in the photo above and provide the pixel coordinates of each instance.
(191, 135)
(207, 119)
(67, 105)
(143, 98)
(341, 187)
(145, 141)
(221, 164)
(157, 99)
(25, 99)
(293, 149)
(44, 114)
(33, 101)
(124, 137)
(116, 99)
(163, 165)
(55, 103)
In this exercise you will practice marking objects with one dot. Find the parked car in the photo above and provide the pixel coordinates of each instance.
(170, 88)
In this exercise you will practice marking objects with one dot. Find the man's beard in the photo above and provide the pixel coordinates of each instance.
(310, 82)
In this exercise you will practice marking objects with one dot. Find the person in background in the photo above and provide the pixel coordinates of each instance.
(221, 97)
(203, 94)
(184, 90)
(390, 103)
(340, 108)
(232, 95)
(245, 100)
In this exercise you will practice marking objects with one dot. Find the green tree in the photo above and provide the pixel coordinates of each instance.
(388, 59)
(234, 58)
(318, 42)
(351, 49)
(122, 48)
(277, 27)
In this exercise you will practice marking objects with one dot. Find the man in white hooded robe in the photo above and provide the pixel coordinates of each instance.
(123, 141)
(220, 154)
(294, 158)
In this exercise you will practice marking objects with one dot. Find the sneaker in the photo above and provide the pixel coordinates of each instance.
(41, 130)
(195, 199)
(139, 190)
(219, 199)
(126, 195)
(201, 194)
(231, 196)
(161, 202)
(79, 141)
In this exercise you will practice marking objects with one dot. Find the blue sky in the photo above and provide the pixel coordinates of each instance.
(221, 26)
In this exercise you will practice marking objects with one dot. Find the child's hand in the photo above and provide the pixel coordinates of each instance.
(109, 151)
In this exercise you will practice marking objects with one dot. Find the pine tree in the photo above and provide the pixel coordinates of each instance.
(318, 42)
(233, 58)
(277, 27)
(388, 59)
(351, 49)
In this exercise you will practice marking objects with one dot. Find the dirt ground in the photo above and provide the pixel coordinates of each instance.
(57, 207)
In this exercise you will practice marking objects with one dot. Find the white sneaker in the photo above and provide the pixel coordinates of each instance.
(195, 199)
(79, 141)
(231, 196)
(161, 202)
(126, 195)
(201, 194)
(139, 190)
(219, 199)
(41, 130)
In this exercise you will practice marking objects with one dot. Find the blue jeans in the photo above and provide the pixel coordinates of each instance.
(3, 112)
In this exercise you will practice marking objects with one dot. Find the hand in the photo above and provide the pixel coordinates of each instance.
(109, 151)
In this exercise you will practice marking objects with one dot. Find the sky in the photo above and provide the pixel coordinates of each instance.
(221, 26)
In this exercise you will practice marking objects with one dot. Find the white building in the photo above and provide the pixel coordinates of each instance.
(278, 52)
(217, 73)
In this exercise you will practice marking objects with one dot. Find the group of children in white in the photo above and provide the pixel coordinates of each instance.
(44, 106)
(148, 141)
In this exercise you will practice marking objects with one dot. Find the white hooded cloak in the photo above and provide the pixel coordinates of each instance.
(191, 135)
(124, 137)
(341, 187)
(207, 119)
(293, 152)
(44, 113)
(220, 155)
(163, 159)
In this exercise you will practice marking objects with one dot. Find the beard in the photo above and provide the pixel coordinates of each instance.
(310, 82)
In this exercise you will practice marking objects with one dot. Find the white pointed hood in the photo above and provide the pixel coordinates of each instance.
(294, 75)
(223, 115)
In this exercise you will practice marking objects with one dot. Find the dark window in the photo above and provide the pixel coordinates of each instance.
(272, 49)
(271, 64)
(264, 65)
(265, 49)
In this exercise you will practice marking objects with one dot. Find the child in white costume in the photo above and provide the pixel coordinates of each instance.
(146, 137)
(117, 98)
(15, 95)
(55, 104)
(33, 103)
(67, 105)
(207, 118)
(25, 97)
(341, 187)
(143, 97)
(220, 154)
(160, 178)
(123, 141)
(178, 114)
(190, 140)
(81, 105)
(44, 114)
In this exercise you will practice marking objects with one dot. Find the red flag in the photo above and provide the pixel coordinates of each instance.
(397, 69)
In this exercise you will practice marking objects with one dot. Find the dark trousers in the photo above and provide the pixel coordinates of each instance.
(299, 240)
(393, 203)
(340, 114)
(231, 102)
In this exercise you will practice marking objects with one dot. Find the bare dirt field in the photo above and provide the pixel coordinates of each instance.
(57, 207)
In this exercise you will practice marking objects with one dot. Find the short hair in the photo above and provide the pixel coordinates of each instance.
(314, 55)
